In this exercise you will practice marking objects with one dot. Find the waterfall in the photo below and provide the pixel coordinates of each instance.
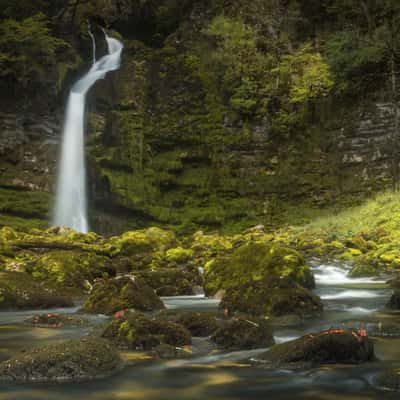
(71, 200)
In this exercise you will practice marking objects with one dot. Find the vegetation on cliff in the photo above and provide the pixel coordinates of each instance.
(221, 116)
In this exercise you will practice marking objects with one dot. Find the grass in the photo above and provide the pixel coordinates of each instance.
(380, 212)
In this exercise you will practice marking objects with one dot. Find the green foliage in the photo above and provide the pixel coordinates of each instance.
(353, 59)
(28, 49)
(21, 9)
(308, 76)
(259, 82)
(243, 67)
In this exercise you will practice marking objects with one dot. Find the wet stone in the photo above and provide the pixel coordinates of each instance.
(69, 361)
(326, 347)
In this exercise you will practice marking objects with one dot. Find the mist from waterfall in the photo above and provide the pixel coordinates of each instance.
(71, 197)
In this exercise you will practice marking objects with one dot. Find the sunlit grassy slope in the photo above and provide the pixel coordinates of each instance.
(379, 213)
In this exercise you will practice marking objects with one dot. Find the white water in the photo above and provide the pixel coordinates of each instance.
(352, 294)
(334, 275)
(71, 201)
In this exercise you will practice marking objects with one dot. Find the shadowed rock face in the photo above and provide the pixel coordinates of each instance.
(331, 346)
(71, 361)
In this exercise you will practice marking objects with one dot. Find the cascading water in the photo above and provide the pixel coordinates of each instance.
(71, 201)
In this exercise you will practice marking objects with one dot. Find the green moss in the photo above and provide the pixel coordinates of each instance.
(87, 359)
(19, 290)
(136, 331)
(254, 262)
(68, 268)
(179, 255)
(110, 296)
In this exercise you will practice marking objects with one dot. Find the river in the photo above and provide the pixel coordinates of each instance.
(212, 375)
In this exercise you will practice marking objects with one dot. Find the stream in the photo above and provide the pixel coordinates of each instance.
(213, 375)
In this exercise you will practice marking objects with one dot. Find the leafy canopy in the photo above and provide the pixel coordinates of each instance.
(27, 49)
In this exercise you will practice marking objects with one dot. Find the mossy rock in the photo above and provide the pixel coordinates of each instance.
(363, 268)
(171, 281)
(70, 361)
(122, 293)
(179, 255)
(60, 238)
(271, 297)
(136, 331)
(359, 243)
(147, 241)
(243, 334)
(199, 324)
(254, 262)
(326, 347)
(69, 268)
(19, 290)
(210, 245)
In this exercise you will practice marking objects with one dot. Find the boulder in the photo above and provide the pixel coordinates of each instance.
(271, 297)
(326, 347)
(122, 293)
(19, 290)
(70, 361)
(256, 261)
(243, 334)
(136, 331)
(198, 323)
(69, 269)
(171, 281)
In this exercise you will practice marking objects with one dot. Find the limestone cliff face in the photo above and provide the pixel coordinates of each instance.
(167, 151)
(162, 150)
(166, 146)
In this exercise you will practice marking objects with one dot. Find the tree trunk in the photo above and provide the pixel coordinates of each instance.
(395, 134)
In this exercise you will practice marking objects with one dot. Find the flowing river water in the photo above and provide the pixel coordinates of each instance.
(212, 375)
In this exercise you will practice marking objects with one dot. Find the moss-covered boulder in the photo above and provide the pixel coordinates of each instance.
(70, 361)
(172, 281)
(136, 331)
(271, 297)
(198, 323)
(122, 293)
(19, 290)
(132, 243)
(363, 267)
(207, 246)
(243, 333)
(68, 268)
(254, 262)
(330, 346)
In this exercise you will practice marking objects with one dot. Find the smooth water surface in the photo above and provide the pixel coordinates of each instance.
(210, 375)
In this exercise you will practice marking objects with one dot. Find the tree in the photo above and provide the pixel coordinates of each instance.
(28, 49)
